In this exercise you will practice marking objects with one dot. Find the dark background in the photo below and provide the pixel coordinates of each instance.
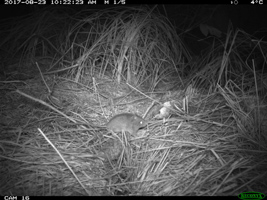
(250, 18)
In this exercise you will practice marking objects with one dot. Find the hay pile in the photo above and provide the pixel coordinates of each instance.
(64, 75)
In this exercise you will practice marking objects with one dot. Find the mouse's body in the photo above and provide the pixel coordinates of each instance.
(126, 122)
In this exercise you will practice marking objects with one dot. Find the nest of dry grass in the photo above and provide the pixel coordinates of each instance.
(210, 139)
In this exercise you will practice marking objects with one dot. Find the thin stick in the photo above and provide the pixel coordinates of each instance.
(63, 160)
(45, 104)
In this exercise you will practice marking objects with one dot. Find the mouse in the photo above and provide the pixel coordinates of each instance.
(126, 122)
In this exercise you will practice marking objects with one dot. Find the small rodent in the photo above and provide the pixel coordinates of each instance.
(126, 122)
